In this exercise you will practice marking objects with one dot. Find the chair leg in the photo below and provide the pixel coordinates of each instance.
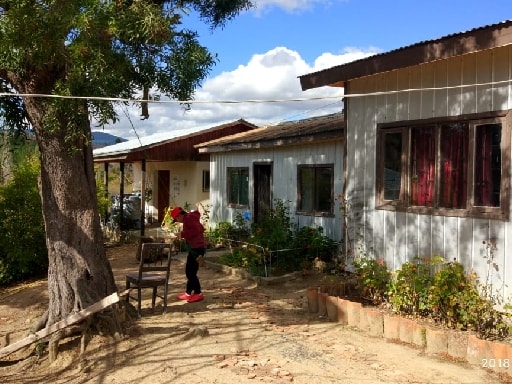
(127, 288)
(139, 291)
(166, 291)
(153, 300)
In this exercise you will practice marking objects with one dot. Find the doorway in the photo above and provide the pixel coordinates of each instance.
(262, 190)
(164, 178)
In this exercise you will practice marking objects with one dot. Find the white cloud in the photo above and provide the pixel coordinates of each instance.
(289, 5)
(270, 77)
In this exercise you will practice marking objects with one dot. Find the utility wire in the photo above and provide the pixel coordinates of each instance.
(353, 95)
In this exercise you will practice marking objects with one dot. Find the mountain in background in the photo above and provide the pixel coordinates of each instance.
(102, 139)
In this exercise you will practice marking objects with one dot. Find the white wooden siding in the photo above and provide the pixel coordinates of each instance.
(425, 91)
(284, 180)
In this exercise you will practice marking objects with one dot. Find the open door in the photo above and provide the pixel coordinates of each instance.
(164, 178)
(262, 190)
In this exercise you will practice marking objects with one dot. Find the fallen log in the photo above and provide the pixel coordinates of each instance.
(70, 320)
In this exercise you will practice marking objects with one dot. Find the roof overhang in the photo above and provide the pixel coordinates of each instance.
(478, 39)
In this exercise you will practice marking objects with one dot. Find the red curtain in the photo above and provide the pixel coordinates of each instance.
(423, 166)
(487, 165)
(454, 151)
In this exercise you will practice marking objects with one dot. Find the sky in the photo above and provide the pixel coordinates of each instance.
(262, 52)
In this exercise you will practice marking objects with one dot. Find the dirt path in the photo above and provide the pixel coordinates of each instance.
(241, 333)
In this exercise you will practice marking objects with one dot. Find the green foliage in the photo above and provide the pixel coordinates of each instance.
(218, 235)
(107, 49)
(314, 243)
(240, 230)
(274, 245)
(275, 231)
(446, 293)
(23, 251)
(408, 291)
(247, 257)
(103, 200)
(374, 276)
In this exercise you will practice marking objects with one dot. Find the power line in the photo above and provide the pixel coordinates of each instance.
(124, 100)
(299, 99)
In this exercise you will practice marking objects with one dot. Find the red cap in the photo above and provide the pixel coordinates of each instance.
(176, 211)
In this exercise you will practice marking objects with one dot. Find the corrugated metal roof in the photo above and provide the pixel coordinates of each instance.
(158, 139)
(476, 39)
(288, 133)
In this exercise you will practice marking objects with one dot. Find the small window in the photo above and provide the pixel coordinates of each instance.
(206, 181)
(315, 189)
(451, 168)
(238, 186)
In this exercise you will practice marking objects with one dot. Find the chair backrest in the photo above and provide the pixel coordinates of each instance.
(155, 258)
(142, 240)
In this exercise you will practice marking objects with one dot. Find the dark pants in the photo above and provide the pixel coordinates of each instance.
(191, 269)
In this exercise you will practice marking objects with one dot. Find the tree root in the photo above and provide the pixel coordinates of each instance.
(111, 322)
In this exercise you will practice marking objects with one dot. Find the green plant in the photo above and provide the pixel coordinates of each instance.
(23, 250)
(490, 323)
(374, 277)
(219, 235)
(408, 290)
(240, 230)
(452, 296)
(274, 232)
(313, 243)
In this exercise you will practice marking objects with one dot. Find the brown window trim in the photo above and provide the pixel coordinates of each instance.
(402, 204)
(315, 213)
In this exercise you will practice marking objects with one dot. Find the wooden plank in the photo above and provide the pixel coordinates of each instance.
(70, 320)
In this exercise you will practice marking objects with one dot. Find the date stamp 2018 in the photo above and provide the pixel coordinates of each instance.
(495, 363)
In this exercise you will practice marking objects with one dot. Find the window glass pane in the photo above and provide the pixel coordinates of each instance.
(454, 157)
(392, 165)
(238, 188)
(323, 189)
(422, 166)
(244, 187)
(306, 188)
(315, 188)
(206, 181)
(487, 165)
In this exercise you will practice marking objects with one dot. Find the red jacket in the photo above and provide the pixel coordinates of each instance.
(193, 230)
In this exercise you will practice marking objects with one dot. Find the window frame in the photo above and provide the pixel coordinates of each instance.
(206, 180)
(315, 212)
(471, 210)
(233, 204)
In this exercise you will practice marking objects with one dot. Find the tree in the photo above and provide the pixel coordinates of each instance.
(89, 52)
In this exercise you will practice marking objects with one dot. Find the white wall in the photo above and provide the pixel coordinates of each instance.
(185, 184)
(284, 175)
(400, 236)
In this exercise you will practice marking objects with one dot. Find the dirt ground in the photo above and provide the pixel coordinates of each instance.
(243, 332)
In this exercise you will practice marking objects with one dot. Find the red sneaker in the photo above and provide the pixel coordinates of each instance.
(184, 296)
(193, 298)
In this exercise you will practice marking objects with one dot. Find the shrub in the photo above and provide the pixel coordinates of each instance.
(23, 252)
(313, 243)
(275, 231)
(374, 277)
(408, 290)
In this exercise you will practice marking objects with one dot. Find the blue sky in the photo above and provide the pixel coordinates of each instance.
(263, 51)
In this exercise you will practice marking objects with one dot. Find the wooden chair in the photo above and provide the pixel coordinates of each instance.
(154, 272)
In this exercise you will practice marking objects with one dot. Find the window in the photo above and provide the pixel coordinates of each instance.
(451, 168)
(315, 189)
(238, 186)
(206, 181)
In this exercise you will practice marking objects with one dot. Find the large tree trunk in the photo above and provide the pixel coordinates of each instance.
(79, 273)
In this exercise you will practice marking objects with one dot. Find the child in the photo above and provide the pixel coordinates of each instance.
(193, 234)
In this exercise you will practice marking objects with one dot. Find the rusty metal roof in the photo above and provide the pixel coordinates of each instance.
(176, 145)
(474, 40)
(298, 132)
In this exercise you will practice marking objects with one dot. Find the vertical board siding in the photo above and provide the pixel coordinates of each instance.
(284, 180)
(462, 85)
